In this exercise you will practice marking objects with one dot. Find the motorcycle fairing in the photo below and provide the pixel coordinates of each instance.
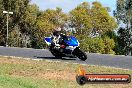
(48, 40)
(72, 41)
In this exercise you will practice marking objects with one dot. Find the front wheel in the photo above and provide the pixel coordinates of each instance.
(80, 54)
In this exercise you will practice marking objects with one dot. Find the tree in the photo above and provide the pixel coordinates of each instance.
(22, 33)
(18, 7)
(101, 20)
(29, 19)
(109, 45)
(129, 12)
(95, 19)
(114, 35)
(80, 17)
(103, 45)
(28, 25)
(95, 45)
(123, 44)
(90, 22)
(123, 15)
(91, 45)
(50, 19)
(124, 11)
(46, 22)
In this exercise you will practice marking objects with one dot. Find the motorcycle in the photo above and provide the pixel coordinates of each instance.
(70, 48)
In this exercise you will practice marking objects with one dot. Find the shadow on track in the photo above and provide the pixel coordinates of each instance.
(55, 58)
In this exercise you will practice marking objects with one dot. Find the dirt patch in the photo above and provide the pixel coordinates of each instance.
(36, 69)
(10, 60)
(121, 85)
(64, 75)
(48, 70)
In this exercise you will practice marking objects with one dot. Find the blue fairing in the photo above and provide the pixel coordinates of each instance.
(48, 39)
(72, 41)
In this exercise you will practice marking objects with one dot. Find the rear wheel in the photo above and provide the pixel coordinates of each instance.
(58, 56)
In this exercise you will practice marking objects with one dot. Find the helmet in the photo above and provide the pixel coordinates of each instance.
(58, 29)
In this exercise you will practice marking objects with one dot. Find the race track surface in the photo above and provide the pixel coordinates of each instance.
(93, 59)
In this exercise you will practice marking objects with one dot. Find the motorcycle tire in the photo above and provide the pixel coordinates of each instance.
(56, 55)
(80, 54)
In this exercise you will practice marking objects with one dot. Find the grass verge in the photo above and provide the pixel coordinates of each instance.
(21, 73)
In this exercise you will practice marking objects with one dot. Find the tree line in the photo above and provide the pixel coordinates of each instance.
(91, 24)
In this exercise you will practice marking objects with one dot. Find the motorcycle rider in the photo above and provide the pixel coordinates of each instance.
(57, 37)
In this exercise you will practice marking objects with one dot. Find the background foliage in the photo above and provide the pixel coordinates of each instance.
(95, 28)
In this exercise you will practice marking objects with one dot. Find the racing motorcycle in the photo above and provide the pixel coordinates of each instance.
(69, 48)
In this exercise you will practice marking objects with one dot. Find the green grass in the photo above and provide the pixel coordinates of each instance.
(12, 82)
(19, 82)
(20, 73)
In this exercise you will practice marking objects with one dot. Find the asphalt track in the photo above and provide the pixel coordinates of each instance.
(93, 59)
